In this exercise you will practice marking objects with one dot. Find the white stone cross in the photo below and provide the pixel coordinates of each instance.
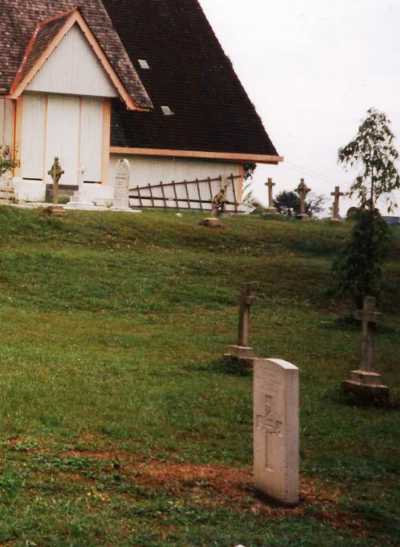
(303, 190)
(276, 430)
(337, 194)
(270, 185)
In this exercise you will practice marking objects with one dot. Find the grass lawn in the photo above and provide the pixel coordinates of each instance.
(122, 425)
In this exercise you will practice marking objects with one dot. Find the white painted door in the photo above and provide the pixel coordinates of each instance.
(33, 136)
(63, 128)
(91, 138)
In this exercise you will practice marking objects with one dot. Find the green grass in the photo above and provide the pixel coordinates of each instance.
(113, 327)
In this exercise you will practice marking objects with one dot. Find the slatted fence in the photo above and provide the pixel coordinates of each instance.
(194, 195)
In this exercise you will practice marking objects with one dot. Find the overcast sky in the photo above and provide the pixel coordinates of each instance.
(312, 68)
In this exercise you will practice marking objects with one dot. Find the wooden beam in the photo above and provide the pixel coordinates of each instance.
(106, 140)
(17, 135)
(223, 156)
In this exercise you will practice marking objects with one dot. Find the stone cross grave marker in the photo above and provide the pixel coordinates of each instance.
(217, 209)
(121, 186)
(367, 381)
(337, 194)
(242, 350)
(56, 172)
(270, 186)
(218, 202)
(276, 430)
(303, 190)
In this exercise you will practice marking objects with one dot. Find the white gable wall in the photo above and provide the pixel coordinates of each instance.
(73, 69)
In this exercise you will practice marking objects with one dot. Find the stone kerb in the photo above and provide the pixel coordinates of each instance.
(276, 430)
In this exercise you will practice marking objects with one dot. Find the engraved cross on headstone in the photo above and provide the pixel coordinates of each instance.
(337, 194)
(56, 172)
(303, 190)
(369, 317)
(247, 299)
(270, 185)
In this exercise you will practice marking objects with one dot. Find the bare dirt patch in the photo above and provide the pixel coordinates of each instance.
(228, 487)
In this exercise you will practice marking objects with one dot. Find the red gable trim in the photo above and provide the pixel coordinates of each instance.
(71, 18)
(224, 156)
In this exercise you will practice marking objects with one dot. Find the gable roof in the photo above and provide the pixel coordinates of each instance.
(29, 27)
(190, 73)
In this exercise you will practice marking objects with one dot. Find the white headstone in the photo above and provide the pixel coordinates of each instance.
(276, 430)
(121, 185)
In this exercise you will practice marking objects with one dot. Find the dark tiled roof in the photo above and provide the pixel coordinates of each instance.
(20, 18)
(190, 73)
(41, 38)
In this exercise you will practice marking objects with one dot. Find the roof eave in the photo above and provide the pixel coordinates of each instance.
(223, 156)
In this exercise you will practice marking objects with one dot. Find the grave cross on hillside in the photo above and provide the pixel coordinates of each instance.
(337, 194)
(369, 317)
(303, 190)
(247, 299)
(270, 185)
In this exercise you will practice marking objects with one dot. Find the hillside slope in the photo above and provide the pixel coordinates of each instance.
(120, 421)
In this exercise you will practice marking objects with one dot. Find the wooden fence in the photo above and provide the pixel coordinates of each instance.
(194, 195)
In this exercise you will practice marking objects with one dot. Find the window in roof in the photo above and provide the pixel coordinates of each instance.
(144, 64)
(167, 111)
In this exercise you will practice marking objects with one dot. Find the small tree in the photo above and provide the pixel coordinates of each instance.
(290, 200)
(286, 201)
(373, 151)
(359, 267)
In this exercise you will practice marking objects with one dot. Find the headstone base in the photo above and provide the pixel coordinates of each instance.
(367, 385)
(81, 206)
(271, 211)
(244, 354)
(124, 210)
(303, 217)
(54, 211)
(336, 219)
(212, 223)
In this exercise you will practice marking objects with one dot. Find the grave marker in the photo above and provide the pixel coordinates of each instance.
(276, 430)
(366, 381)
(271, 209)
(121, 186)
(56, 172)
(337, 194)
(242, 350)
(303, 190)
(217, 209)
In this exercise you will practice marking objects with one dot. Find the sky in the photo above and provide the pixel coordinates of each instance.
(312, 68)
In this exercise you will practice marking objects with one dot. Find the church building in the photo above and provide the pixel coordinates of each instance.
(145, 81)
